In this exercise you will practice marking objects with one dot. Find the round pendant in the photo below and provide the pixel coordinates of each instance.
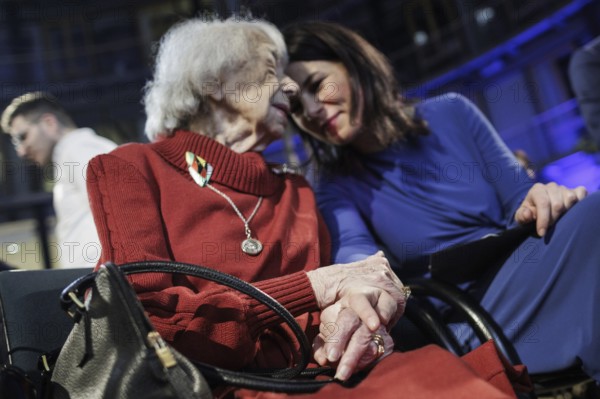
(251, 246)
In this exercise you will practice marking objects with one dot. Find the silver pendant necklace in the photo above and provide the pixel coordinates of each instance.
(250, 246)
(201, 171)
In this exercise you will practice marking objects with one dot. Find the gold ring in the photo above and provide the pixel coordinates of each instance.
(378, 339)
(406, 290)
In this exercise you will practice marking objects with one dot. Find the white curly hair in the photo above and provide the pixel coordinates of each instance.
(194, 54)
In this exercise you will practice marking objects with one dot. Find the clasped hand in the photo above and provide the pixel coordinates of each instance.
(358, 300)
(545, 203)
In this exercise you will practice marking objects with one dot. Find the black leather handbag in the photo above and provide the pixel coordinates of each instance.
(113, 350)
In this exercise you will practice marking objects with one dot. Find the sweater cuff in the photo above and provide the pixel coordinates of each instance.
(294, 292)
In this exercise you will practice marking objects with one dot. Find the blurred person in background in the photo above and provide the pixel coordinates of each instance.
(584, 73)
(44, 133)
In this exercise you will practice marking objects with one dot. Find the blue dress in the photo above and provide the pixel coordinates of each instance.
(456, 185)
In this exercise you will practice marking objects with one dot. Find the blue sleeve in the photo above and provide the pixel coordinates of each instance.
(500, 168)
(351, 239)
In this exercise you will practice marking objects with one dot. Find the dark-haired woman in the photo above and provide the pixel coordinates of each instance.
(416, 178)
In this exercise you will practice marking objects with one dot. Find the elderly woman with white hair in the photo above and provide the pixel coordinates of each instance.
(201, 193)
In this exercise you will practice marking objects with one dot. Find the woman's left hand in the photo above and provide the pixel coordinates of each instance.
(545, 203)
(344, 339)
(369, 286)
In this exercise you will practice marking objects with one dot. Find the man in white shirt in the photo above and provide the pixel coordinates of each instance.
(44, 133)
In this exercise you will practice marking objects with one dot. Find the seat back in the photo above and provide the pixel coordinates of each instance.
(31, 319)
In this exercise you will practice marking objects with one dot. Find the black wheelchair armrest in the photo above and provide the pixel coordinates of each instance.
(484, 326)
(428, 319)
(430, 322)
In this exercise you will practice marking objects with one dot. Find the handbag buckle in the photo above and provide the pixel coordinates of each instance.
(80, 306)
(162, 349)
(76, 300)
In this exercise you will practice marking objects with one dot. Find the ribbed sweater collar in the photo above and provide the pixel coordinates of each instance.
(247, 172)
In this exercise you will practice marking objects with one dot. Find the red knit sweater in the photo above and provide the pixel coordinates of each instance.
(147, 207)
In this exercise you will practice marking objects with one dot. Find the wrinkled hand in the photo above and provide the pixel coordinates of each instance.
(545, 203)
(369, 287)
(344, 339)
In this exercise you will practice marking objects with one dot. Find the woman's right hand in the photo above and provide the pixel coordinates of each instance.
(545, 203)
(346, 342)
(369, 287)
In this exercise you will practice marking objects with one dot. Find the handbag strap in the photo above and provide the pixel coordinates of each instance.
(246, 380)
(78, 287)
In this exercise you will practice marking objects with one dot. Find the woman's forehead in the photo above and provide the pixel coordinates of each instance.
(302, 68)
(266, 55)
(267, 52)
(263, 57)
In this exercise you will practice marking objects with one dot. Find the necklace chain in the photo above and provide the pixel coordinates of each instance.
(235, 208)
(200, 171)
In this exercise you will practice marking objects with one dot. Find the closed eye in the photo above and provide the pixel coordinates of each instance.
(269, 74)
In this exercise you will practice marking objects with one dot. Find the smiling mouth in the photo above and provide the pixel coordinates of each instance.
(329, 126)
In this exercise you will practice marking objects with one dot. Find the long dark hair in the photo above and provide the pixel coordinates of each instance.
(370, 73)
